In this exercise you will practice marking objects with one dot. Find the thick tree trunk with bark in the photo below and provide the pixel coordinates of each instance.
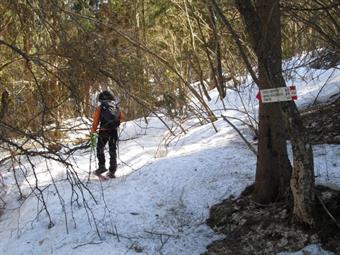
(273, 167)
(302, 181)
(264, 27)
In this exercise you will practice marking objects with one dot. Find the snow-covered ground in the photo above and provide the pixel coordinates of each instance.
(165, 185)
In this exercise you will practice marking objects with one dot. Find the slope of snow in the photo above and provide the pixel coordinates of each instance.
(159, 205)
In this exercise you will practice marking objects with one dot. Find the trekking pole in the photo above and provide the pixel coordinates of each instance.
(93, 145)
(118, 146)
(88, 177)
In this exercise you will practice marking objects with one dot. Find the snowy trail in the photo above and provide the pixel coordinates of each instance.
(161, 207)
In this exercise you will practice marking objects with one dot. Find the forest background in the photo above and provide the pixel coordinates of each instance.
(162, 57)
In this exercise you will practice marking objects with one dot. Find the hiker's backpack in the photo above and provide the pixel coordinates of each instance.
(109, 115)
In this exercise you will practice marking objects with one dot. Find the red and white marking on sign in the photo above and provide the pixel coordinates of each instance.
(293, 93)
(277, 94)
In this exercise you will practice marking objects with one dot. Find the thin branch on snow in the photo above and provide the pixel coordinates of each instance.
(240, 134)
(89, 243)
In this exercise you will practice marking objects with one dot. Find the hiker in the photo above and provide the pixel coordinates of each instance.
(108, 115)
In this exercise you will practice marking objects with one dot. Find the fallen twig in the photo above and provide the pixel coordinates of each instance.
(240, 134)
(83, 244)
(327, 211)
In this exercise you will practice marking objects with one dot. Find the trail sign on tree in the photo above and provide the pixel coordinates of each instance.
(277, 94)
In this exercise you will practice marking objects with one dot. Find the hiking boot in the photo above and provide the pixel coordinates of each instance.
(111, 175)
(100, 170)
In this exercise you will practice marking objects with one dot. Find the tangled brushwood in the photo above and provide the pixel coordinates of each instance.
(250, 228)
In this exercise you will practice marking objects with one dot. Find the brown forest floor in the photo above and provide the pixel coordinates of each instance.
(254, 229)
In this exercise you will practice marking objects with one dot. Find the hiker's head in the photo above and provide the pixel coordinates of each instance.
(105, 96)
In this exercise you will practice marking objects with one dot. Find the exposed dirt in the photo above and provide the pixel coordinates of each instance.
(323, 122)
(251, 228)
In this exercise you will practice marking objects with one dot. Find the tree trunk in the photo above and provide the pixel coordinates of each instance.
(3, 112)
(4, 104)
(302, 181)
(216, 48)
(273, 167)
(263, 25)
